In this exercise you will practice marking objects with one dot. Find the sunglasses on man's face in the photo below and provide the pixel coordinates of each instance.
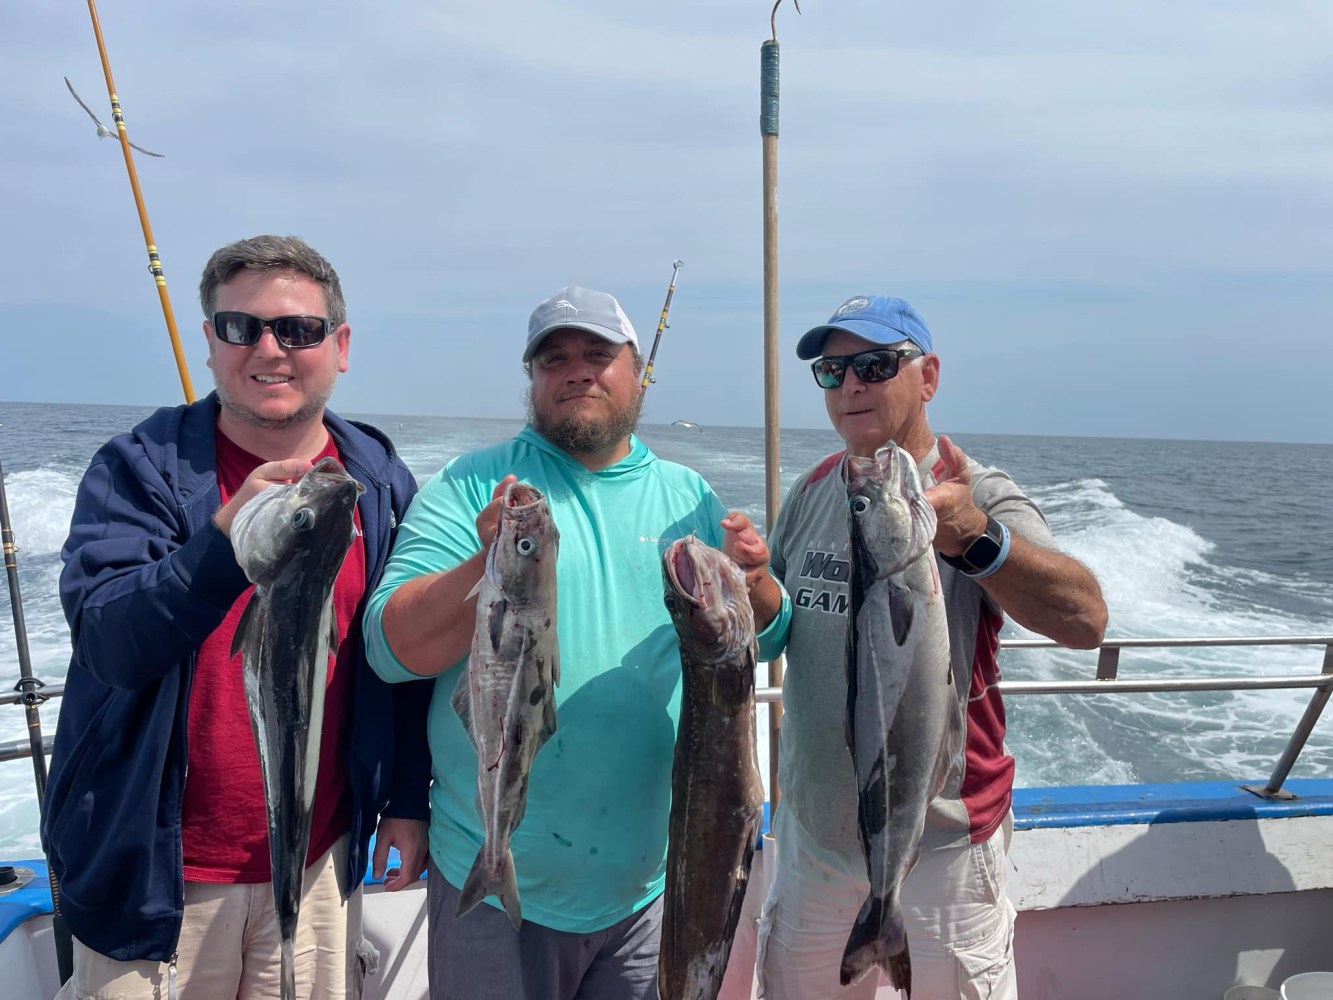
(244, 330)
(878, 365)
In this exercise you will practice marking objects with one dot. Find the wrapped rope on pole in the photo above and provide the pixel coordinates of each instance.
(154, 260)
(768, 130)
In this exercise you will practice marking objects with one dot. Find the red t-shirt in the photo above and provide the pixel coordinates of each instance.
(224, 826)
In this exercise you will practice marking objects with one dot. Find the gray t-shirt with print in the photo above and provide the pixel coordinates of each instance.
(809, 546)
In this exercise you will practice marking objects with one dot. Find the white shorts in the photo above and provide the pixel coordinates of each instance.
(960, 923)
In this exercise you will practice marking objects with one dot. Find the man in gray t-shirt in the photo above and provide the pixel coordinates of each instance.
(878, 370)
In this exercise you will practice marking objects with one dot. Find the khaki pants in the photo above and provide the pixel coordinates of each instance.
(230, 946)
(960, 924)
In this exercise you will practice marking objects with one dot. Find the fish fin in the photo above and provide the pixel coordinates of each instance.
(496, 622)
(752, 832)
(243, 626)
(555, 666)
(461, 699)
(500, 884)
(331, 616)
(878, 938)
(548, 720)
(730, 686)
(900, 611)
(476, 587)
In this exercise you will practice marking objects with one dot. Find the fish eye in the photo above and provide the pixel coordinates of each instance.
(671, 601)
(303, 519)
(526, 546)
(860, 505)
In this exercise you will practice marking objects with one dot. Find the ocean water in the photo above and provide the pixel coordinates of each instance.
(1188, 538)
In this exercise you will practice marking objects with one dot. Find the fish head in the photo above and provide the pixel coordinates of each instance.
(522, 559)
(888, 513)
(706, 597)
(306, 526)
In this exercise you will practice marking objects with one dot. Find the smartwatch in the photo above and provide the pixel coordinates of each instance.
(985, 554)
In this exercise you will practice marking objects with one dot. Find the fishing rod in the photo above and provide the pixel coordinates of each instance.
(28, 685)
(154, 261)
(662, 324)
(29, 689)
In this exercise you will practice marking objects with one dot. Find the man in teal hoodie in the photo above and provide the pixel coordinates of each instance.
(590, 852)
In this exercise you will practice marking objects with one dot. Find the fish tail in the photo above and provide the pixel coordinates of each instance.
(878, 938)
(482, 881)
(288, 969)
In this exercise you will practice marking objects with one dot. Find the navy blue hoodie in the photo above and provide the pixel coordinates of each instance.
(147, 578)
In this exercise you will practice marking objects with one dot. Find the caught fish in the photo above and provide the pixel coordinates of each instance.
(291, 541)
(904, 719)
(507, 705)
(717, 796)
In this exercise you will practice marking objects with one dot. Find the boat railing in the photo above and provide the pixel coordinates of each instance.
(1106, 682)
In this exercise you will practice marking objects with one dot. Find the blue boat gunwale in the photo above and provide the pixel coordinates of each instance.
(1169, 802)
(1034, 808)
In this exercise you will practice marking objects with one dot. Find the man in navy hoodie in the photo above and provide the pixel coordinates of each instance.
(154, 815)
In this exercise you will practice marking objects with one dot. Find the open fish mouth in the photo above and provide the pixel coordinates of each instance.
(705, 592)
(680, 571)
(329, 472)
(520, 495)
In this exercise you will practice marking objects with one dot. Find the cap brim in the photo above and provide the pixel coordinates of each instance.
(610, 336)
(811, 345)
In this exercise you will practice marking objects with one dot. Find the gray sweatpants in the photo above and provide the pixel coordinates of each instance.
(482, 957)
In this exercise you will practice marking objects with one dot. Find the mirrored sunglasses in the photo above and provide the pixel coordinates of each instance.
(244, 330)
(878, 365)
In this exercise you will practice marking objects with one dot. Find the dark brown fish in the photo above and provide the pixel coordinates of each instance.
(717, 796)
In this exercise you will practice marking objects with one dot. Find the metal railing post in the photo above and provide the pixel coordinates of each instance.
(1273, 790)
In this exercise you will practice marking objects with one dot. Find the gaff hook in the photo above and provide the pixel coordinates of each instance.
(773, 18)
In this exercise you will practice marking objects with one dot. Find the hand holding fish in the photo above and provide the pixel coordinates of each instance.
(268, 474)
(410, 837)
(749, 551)
(488, 520)
(959, 519)
(746, 547)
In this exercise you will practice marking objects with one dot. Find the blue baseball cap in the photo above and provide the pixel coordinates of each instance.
(878, 319)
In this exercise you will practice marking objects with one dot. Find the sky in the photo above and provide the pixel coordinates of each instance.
(1116, 217)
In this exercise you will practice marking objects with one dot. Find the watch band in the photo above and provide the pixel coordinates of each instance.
(984, 554)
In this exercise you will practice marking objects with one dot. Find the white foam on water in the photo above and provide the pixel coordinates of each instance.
(41, 502)
(1160, 579)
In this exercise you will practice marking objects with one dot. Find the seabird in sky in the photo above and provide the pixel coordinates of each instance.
(102, 131)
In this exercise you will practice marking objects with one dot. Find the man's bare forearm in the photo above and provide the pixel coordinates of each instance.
(429, 621)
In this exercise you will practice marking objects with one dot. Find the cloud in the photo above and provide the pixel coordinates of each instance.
(1105, 170)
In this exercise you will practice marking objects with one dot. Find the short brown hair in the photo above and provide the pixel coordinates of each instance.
(270, 255)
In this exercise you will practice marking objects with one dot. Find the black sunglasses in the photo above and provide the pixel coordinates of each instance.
(878, 365)
(244, 330)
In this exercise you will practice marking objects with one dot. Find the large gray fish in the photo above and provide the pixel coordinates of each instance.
(507, 705)
(904, 718)
(717, 796)
(291, 541)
